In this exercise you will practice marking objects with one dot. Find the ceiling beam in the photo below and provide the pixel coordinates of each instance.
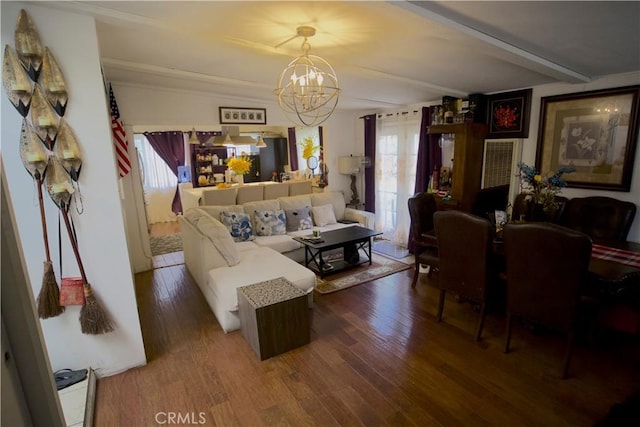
(507, 51)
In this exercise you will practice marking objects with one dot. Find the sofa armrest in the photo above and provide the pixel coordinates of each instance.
(367, 219)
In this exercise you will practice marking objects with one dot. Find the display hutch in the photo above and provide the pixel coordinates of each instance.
(206, 161)
(466, 174)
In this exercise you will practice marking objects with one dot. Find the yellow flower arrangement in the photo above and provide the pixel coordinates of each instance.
(308, 149)
(239, 165)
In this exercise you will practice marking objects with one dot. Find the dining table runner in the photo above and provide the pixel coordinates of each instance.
(618, 255)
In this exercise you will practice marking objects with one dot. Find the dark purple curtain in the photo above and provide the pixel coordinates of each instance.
(370, 152)
(293, 149)
(324, 171)
(170, 148)
(429, 157)
(429, 153)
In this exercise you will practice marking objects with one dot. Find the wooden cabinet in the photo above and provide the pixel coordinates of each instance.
(203, 163)
(467, 162)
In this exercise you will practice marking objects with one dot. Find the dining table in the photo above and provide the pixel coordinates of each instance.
(614, 271)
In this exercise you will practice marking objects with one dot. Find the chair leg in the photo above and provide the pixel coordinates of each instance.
(508, 338)
(483, 308)
(567, 355)
(441, 305)
(416, 272)
(429, 271)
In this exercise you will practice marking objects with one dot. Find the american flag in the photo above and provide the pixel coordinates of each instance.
(120, 137)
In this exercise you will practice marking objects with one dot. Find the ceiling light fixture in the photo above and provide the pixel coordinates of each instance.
(261, 143)
(193, 139)
(308, 88)
(228, 142)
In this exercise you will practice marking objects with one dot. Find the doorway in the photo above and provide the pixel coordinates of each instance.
(159, 186)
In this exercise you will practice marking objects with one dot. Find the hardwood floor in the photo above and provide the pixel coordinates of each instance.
(377, 357)
(162, 228)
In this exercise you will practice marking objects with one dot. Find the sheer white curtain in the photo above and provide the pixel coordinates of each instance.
(395, 172)
(158, 181)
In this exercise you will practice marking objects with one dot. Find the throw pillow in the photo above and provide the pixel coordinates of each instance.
(270, 222)
(323, 215)
(336, 198)
(238, 224)
(299, 219)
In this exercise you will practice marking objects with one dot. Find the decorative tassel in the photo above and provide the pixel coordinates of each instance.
(49, 296)
(93, 319)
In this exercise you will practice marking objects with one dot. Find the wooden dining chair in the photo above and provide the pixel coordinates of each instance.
(465, 252)
(422, 206)
(546, 266)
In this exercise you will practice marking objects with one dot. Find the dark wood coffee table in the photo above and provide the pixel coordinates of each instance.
(351, 239)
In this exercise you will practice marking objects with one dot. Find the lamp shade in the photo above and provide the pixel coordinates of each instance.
(193, 139)
(349, 165)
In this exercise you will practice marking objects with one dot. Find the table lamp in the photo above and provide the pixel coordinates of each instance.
(351, 165)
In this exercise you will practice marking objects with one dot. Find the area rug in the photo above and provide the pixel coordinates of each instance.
(390, 249)
(165, 244)
(381, 266)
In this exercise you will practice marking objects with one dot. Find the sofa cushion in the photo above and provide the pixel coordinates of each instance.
(323, 215)
(282, 244)
(270, 222)
(239, 225)
(215, 211)
(295, 202)
(299, 219)
(257, 266)
(220, 238)
(260, 205)
(335, 198)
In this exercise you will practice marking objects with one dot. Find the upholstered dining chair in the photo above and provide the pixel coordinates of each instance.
(521, 211)
(465, 253)
(546, 266)
(249, 193)
(602, 218)
(422, 206)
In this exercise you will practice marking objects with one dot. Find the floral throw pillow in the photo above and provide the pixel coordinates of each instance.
(270, 222)
(299, 219)
(239, 225)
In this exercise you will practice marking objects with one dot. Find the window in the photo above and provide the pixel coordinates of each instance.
(155, 172)
(395, 174)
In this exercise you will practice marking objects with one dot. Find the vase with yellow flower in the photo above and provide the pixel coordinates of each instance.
(541, 191)
(239, 166)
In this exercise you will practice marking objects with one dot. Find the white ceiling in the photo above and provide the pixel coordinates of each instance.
(386, 54)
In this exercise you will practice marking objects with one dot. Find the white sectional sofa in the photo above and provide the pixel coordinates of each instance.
(219, 263)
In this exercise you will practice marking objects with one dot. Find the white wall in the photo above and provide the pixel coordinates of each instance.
(100, 229)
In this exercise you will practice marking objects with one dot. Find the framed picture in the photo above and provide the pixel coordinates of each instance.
(595, 132)
(509, 114)
(242, 116)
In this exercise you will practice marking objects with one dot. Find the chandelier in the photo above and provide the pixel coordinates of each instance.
(308, 88)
